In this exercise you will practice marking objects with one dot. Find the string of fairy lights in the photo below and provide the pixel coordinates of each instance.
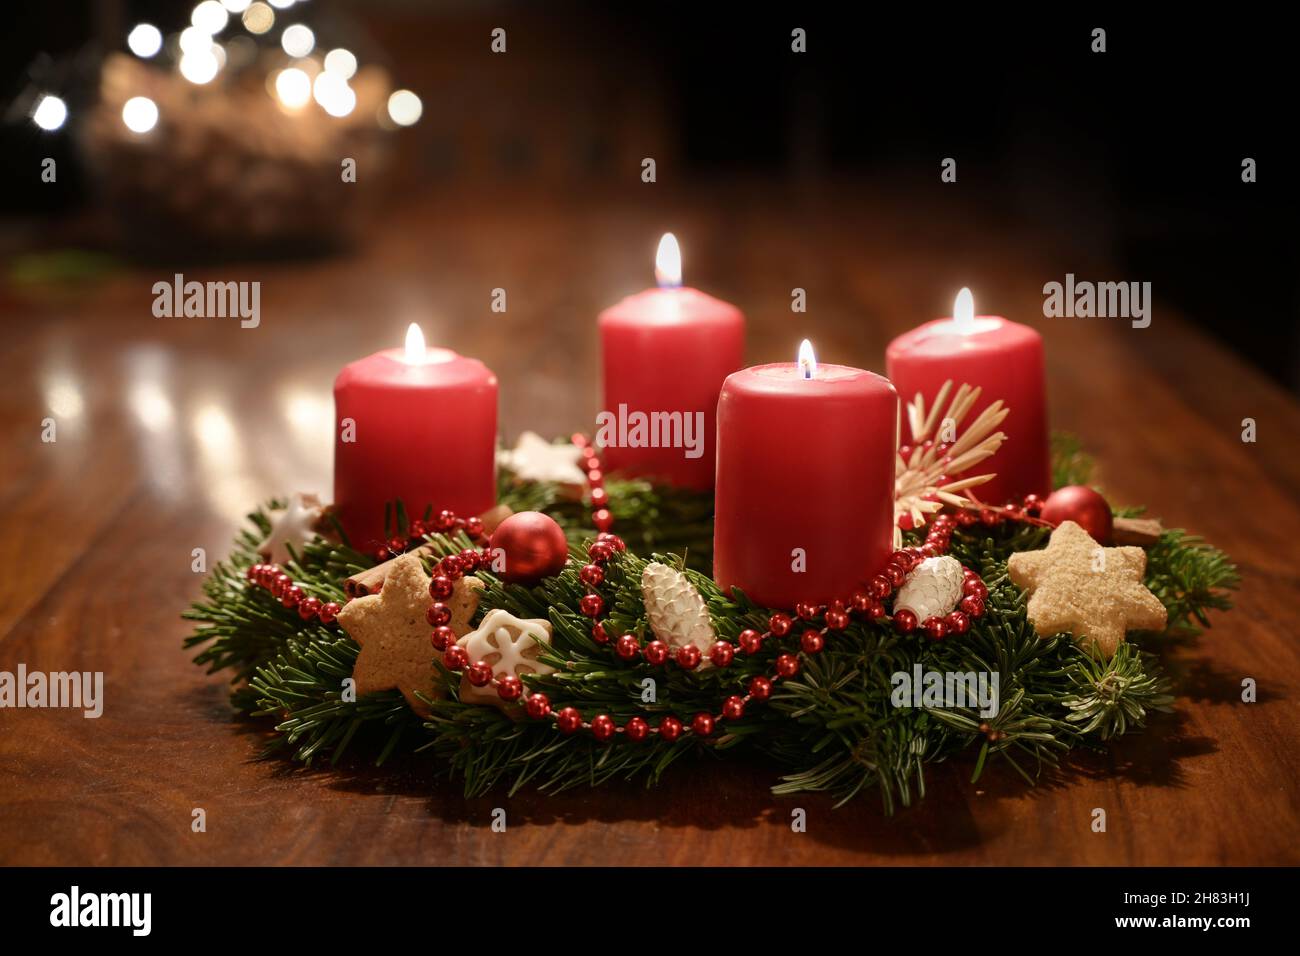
(219, 28)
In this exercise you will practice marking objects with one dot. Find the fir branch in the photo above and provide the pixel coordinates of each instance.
(1071, 465)
(1190, 578)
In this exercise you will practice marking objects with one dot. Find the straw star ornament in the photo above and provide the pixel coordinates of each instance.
(926, 475)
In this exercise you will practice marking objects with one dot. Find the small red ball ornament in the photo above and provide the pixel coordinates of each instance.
(722, 653)
(702, 724)
(656, 652)
(602, 727)
(538, 706)
(787, 665)
(1084, 507)
(760, 688)
(509, 687)
(812, 642)
(636, 730)
(568, 720)
(670, 728)
(533, 546)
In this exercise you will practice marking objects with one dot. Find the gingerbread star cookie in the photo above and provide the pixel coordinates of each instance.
(393, 632)
(297, 525)
(1095, 593)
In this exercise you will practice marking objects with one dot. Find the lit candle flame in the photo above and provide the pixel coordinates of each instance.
(807, 360)
(415, 351)
(668, 262)
(963, 311)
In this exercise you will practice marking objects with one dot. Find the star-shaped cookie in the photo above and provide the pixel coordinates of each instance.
(393, 632)
(507, 644)
(535, 459)
(295, 525)
(1095, 593)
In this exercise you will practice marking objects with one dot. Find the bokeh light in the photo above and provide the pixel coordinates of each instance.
(342, 62)
(258, 18)
(293, 87)
(298, 40)
(333, 94)
(50, 113)
(145, 40)
(210, 17)
(200, 66)
(140, 114)
(404, 108)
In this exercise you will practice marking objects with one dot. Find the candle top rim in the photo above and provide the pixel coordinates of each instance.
(789, 380)
(389, 368)
(670, 305)
(938, 337)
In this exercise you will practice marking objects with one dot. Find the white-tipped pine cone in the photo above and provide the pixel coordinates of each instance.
(677, 613)
(932, 589)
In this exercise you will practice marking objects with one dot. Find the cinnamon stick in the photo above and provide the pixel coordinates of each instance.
(1142, 532)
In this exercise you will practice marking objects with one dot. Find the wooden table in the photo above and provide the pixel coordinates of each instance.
(170, 429)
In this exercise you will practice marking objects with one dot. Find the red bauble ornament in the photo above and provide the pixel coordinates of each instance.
(329, 611)
(722, 653)
(702, 724)
(750, 641)
(656, 652)
(760, 688)
(538, 706)
(533, 545)
(1084, 507)
(733, 708)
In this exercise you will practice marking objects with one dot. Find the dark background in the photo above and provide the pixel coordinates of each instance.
(1131, 157)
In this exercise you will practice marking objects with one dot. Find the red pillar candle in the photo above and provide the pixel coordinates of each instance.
(666, 352)
(416, 425)
(1005, 360)
(805, 494)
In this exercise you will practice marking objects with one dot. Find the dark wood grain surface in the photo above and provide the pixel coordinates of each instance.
(170, 429)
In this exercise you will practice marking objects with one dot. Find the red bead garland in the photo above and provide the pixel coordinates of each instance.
(868, 602)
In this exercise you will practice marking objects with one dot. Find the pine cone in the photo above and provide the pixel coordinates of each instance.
(932, 589)
(677, 613)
